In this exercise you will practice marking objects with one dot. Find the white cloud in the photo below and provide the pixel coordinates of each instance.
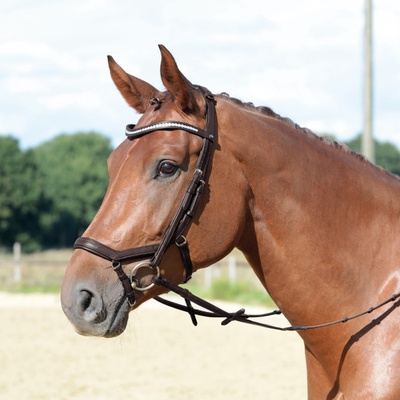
(18, 84)
(88, 6)
(303, 59)
(27, 55)
(85, 100)
(339, 127)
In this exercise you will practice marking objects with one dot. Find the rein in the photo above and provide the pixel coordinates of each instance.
(240, 315)
(174, 235)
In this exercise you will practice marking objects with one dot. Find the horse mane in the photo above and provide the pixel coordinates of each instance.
(267, 111)
(270, 113)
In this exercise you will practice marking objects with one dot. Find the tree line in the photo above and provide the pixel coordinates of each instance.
(50, 193)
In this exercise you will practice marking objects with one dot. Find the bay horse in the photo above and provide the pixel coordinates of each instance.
(200, 175)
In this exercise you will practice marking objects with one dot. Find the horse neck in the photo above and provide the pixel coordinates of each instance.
(319, 216)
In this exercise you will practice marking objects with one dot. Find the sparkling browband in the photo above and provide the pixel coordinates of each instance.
(161, 125)
(133, 133)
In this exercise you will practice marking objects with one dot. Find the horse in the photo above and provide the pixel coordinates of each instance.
(202, 174)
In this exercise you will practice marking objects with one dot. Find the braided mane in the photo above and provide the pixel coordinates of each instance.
(270, 113)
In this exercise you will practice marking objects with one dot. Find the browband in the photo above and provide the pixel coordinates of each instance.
(132, 132)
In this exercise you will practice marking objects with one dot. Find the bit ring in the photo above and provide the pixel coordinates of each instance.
(134, 280)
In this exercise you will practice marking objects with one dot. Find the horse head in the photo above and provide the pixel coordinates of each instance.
(151, 175)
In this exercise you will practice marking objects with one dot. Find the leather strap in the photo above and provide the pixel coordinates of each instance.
(181, 242)
(132, 132)
(126, 283)
(103, 251)
(241, 316)
(184, 213)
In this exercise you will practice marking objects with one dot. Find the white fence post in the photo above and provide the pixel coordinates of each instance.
(17, 262)
(232, 269)
(208, 277)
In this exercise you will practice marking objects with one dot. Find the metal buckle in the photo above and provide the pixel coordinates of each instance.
(181, 241)
(134, 280)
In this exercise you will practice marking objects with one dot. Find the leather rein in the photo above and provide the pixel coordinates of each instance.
(174, 235)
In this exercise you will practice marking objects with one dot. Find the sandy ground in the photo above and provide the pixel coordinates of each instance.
(161, 356)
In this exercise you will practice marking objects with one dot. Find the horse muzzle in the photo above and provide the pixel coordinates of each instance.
(94, 308)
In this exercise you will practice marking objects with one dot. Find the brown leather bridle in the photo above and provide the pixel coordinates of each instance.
(174, 234)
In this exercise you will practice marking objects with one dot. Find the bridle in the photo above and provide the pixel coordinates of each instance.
(174, 234)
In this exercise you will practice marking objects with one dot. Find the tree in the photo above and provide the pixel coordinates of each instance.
(74, 179)
(386, 154)
(19, 195)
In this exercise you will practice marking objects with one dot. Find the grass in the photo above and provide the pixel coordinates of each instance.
(26, 288)
(243, 292)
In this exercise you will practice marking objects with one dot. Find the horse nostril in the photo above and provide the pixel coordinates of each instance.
(84, 300)
(91, 307)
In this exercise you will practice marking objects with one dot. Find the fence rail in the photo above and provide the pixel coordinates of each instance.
(44, 271)
(39, 271)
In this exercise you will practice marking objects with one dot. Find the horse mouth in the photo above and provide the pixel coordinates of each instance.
(119, 319)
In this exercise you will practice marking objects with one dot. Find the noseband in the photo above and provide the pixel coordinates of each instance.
(174, 235)
(181, 219)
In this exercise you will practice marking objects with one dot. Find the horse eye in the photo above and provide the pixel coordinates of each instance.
(167, 168)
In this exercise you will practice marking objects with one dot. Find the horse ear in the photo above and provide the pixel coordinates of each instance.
(136, 92)
(176, 83)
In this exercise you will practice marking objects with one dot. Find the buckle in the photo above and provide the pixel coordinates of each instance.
(181, 241)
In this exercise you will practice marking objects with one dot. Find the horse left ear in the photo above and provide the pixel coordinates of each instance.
(176, 83)
(136, 92)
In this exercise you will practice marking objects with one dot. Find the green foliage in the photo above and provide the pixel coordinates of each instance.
(19, 195)
(386, 154)
(74, 173)
(355, 144)
(51, 193)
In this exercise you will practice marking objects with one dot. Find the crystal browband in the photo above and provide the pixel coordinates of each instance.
(133, 133)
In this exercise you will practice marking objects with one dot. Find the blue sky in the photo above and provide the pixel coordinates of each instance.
(302, 59)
